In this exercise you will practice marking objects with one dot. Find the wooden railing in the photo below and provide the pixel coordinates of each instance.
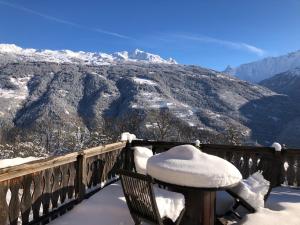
(282, 169)
(39, 191)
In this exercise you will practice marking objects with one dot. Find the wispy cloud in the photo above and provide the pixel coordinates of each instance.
(62, 21)
(229, 44)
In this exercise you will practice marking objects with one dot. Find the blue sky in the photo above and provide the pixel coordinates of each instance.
(209, 33)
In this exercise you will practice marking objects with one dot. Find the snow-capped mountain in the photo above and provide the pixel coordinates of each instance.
(265, 68)
(79, 87)
(13, 53)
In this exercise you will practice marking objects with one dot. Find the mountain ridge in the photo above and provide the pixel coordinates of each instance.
(82, 94)
(262, 69)
(31, 92)
(14, 53)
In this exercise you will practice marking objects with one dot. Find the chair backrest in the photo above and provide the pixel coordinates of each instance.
(139, 195)
(271, 169)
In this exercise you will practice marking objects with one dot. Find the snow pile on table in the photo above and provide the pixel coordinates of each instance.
(141, 156)
(253, 190)
(170, 204)
(16, 161)
(187, 166)
(282, 208)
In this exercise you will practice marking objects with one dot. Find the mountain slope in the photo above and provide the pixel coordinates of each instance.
(266, 68)
(288, 83)
(78, 89)
(32, 92)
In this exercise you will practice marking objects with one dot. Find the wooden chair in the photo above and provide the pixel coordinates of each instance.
(140, 198)
(271, 169)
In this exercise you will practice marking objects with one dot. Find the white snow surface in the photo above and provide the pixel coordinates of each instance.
(253, 189)
(169, 204)
(17, 53)
(108, 207)
(16, 161)
(187, 166)
(144, 81)
(141, 156)
(126, 136)
(282, 208)
(277, 146)
(20, 93)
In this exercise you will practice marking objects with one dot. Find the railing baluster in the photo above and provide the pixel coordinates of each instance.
(14, 205)
(37, 194)
(4, 218)
(26, 199)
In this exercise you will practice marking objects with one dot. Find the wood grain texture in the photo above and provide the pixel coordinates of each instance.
(4, 217)
(37, 194)
(47, 184)
(26, 201)
(15, 186)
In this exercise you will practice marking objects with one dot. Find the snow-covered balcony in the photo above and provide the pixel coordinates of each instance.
(108, 207)
(83, 187)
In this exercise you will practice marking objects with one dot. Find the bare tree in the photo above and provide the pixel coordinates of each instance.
(160, 124)
(129, 122)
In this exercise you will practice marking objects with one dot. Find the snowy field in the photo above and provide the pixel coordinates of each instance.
(108, 207)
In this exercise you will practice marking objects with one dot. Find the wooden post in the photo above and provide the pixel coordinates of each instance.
(279, 167)
(128, 157)
(81, 176)
(209, 205)
(200, 207)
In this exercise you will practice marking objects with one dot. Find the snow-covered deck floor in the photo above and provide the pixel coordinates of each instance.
(108, 207)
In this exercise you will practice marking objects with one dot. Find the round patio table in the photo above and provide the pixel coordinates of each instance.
(187, 170)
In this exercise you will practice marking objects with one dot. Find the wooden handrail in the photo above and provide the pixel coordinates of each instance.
(78, 175)
(245, 158)
(36, 166)
(57, 183)
(102, 149)
(50, 162)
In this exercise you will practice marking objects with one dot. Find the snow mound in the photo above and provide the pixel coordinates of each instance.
(16, 161)
(141, 156)
(169, 204)
(277, 146)
(126, 136)
(253, 190)
(187, 166)
(282, 208)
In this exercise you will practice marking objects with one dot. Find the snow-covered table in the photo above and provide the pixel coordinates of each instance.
(198, 176)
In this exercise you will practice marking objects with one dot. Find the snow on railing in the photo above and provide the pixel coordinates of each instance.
(284, 169)
(38, 191)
